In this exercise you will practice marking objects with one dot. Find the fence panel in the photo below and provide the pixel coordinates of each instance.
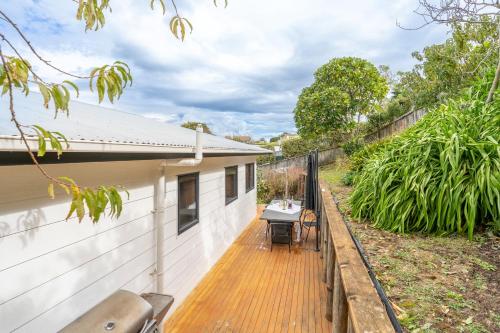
(396, 125)
(324, 157)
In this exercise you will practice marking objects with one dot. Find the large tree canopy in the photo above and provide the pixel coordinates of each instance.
(343, 89)
(443, 70)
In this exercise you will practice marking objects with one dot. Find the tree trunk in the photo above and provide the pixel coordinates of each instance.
(494, 85)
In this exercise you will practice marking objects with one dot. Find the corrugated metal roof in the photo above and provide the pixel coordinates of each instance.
(98, 125)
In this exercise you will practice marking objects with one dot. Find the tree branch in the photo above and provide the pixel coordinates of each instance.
(19, 125)
(46, 62)
(494, 85)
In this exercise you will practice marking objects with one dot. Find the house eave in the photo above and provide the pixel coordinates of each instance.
(14, 152)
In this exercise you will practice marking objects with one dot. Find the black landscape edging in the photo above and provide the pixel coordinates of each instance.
(380, 290)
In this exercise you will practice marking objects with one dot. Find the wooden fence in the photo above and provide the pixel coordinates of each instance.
(396, 125)
(324, 157)
(352, 303)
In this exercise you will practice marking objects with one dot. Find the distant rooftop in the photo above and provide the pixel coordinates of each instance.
(92, 128)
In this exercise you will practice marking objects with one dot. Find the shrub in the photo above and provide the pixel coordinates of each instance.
(359, 158)
(299, 146)
(352, 146)
(348, 178)
(440, 176)
(264, 159)
(271, 184)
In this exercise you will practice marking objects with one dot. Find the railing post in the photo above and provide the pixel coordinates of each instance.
(321, 234)
(330, 273)
(350, 329)
(324, 235)
(325, 251)
(325, 230)
(339, 319)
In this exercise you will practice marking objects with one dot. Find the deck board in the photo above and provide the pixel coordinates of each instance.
(251, 289)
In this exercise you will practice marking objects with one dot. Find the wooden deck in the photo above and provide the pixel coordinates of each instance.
(251, 289)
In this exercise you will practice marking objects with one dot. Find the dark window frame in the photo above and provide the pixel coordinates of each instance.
(191, 224)
(249, 188)
(235, 184)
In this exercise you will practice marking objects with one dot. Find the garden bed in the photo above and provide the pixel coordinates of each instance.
(435, 284)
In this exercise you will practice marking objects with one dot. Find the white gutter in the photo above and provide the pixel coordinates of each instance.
(198, 157)
(13, 143)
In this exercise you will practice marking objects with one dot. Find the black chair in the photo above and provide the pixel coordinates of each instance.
(308, 224)
(281, 231)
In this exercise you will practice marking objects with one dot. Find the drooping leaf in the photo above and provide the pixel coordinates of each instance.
(50, 190)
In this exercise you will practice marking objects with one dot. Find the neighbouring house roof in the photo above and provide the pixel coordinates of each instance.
(91, 128)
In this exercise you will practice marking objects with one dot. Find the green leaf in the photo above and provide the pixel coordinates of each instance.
(100, 88)
(67, 180)
(50, 190)
(65, 188)
(74, 86)
(42, 148)
(45, 94)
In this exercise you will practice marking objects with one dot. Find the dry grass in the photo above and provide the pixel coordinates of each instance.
(272, 184)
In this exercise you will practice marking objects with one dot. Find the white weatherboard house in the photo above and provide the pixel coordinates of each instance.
(184, 211)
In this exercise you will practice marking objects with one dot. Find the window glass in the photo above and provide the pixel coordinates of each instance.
(188, 201)
(231, 184)
(250, 177)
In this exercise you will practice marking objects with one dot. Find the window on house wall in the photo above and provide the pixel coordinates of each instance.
(249, 176)
(188, 201)
(231, 184)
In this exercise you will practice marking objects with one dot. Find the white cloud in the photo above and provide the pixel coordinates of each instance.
(241, 69)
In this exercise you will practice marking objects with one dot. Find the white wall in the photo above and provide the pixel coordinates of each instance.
(53, 270)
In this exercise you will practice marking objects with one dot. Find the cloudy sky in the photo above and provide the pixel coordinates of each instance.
(241, 69)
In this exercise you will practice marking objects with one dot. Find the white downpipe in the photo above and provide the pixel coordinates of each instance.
(160, 204)
(159, 219)
(198, 157)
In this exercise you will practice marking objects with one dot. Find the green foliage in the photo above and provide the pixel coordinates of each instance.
(483, 264)
(59, 93)
(343, 89)
(193, 124)
(445, 69)
(96, 200)
(296, 147)
(442, 72)
(92, 12)
(178, 27)
(348, 178)
(263, 189)
(111, 79)
(264, 159)
(440, 176)
(352, 146)
(56, 140)
(361, 157)
(19, 74)
(299, 146)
